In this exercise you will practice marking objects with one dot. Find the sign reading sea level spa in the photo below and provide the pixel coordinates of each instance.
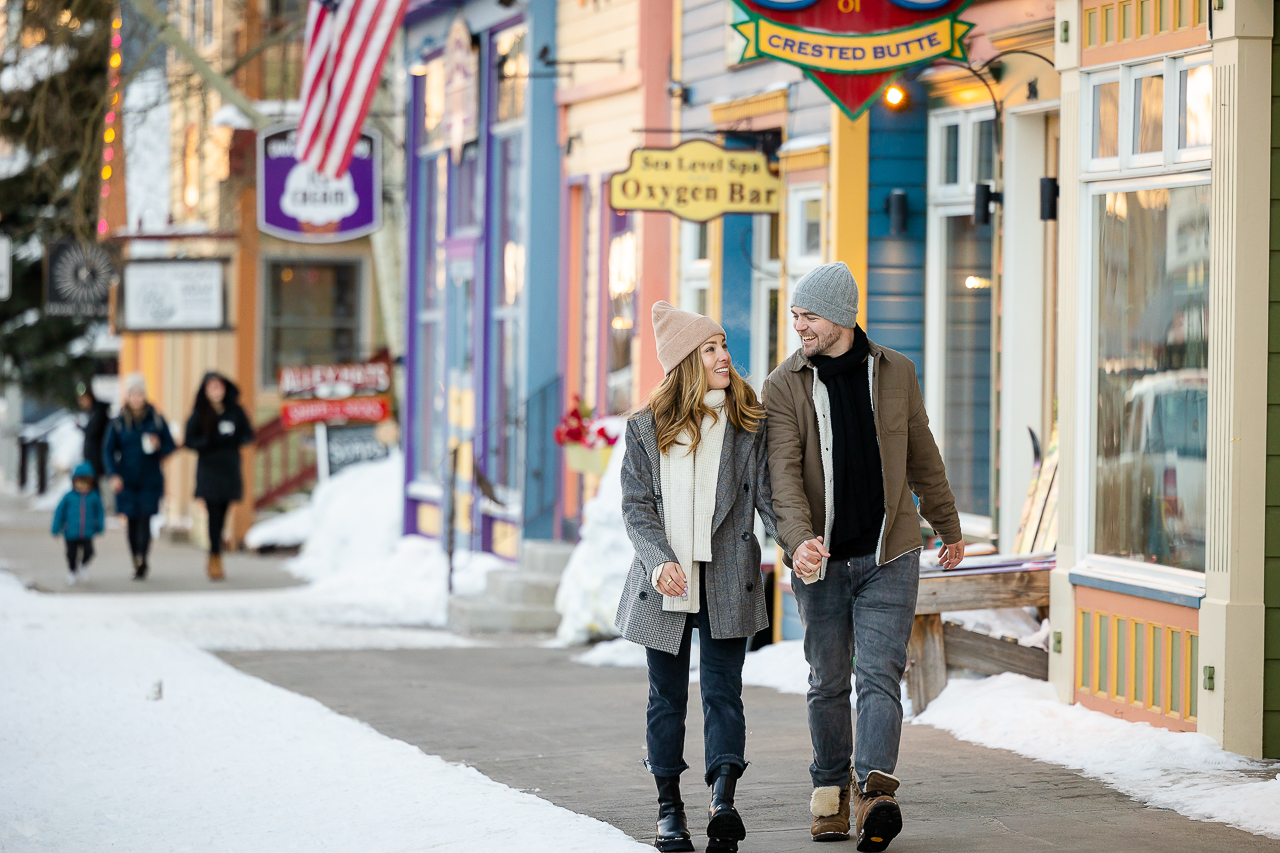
(697, 181)
(853, 48)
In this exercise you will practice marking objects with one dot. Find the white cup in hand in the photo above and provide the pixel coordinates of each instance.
(150, 443)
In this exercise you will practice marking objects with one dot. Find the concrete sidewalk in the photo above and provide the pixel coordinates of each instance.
(30, 552)
(574, 735)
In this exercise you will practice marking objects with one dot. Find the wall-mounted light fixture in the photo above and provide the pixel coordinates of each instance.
(1048, 199)
(983, 196)
(895, 205)
(679, 91)
(896, 98)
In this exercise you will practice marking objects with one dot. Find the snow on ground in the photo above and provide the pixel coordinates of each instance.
(285, 530)
(592, 583)
(356, 517)
(1184, 771)
(117, 738)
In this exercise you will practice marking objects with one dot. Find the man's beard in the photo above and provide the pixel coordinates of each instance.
(823, 342)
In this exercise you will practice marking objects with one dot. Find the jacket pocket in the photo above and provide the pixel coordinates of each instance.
(893, 412)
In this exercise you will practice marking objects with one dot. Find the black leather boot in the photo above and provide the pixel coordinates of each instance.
(724, 824)
(673, 829)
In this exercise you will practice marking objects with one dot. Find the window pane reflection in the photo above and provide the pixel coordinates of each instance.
(1106, 119)
(1152, 356)
(622, 310)
(985, 142)
(1148, 114)
(967, 425)
(951, 154)
(1195, 119)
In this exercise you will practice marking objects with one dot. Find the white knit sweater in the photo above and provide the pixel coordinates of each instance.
(688, 484)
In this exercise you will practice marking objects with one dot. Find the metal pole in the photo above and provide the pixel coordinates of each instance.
(322, 451)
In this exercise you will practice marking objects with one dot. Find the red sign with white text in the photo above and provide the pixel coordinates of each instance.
(298, 412)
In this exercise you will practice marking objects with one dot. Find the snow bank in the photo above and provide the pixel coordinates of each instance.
(356, 518)
(1014, 623)
(592, 583)
(286, 530)
(616, 652)
(1184, 771)
(116, 738)
(781, 666)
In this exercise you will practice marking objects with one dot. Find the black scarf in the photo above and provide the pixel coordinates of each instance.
(858, 479)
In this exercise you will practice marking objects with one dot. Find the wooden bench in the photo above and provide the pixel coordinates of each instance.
(1022, 584)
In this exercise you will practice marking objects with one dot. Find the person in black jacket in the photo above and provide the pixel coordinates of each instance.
(137, 441)
(95, 429)
(216, 430)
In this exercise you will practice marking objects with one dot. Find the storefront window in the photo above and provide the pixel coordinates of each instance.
(1195, 118)
(312, 316)
(433, 104)
(512, 63)
(509, 215)
(622, 310)
(967, 423)
(985, 155)
(431, 412)
(951, 154)
(1106, 119)
(466, 189)
(1148, 114)
(1152, 356)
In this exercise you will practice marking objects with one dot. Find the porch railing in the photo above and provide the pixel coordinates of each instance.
(284, 463)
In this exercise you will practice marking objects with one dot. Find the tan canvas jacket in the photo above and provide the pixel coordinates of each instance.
(800, 455)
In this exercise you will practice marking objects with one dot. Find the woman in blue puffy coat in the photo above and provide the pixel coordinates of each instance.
(137, 441)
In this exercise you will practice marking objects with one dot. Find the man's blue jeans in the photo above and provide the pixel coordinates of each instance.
(724, 725)
(877, 606)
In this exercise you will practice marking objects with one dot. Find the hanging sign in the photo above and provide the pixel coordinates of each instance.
(78, 279)
(186, 294)
(853, 48)
(696, 180)
(295, 202)
(335, 393)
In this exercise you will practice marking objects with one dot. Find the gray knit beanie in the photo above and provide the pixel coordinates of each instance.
(830, 292)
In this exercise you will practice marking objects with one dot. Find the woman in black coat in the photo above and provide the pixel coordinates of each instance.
(216, 430)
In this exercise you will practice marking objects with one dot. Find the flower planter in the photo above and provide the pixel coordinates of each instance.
(586, 460)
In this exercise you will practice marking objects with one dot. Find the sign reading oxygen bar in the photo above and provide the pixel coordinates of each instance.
(697, 181)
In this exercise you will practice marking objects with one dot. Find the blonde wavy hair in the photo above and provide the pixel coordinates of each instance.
(678, 408)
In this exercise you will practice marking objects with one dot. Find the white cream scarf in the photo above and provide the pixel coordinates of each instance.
(688, 484)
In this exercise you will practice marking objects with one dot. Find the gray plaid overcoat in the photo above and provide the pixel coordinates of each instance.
(731, 582)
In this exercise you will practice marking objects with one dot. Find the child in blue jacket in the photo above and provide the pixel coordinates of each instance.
(78, 519)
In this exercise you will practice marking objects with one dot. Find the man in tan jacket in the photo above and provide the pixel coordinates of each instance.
(849, 446)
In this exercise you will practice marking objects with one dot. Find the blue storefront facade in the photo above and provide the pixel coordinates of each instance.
(482, 275)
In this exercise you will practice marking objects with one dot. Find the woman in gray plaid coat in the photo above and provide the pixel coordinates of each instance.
(693, 478)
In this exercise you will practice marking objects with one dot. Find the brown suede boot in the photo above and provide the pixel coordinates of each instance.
(830, 808)
(879, 820)
(215, 567)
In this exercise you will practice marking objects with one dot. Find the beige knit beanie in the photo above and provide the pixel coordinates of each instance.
(679, 333)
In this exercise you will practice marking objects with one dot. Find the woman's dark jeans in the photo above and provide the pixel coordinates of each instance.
(724, 727)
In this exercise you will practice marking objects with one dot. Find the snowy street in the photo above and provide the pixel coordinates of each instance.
(341, 716)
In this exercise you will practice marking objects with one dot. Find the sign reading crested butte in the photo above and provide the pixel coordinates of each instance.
(696, 180)
(853, 48)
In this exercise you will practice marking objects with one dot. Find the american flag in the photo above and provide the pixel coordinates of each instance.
(346, 44)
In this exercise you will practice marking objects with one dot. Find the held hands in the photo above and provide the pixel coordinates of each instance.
(807, 559)
(949, 556)
(671, 580)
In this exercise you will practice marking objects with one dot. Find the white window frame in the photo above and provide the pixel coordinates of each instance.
(967, 167)
(1140, 573)
(945, 201)
(799, 263)
(695, 272)
(766, 276)
(1170, 157)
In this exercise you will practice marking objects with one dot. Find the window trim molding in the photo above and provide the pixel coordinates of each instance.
(1086, 386)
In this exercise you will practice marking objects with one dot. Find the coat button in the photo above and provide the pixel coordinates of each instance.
(750, 587)
(643, 594)
(746, 536)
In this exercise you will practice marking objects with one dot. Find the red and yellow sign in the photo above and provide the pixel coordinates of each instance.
(299, 412)
(853, 48)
